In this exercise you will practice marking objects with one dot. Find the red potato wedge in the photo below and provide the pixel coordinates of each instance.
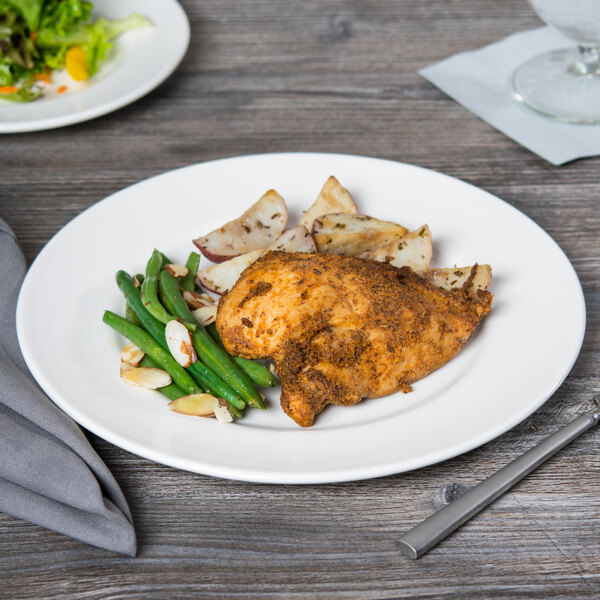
(333, 198)
(341, 233)
(258, 227)
(296, 239)
(413, 249)
(220, 277)
(474, 278)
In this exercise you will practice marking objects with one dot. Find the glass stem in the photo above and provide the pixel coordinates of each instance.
(590, 59)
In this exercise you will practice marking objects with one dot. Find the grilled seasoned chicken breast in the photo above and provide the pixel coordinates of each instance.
(341, 329)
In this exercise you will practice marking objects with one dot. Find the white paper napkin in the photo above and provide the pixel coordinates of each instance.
(481, 81)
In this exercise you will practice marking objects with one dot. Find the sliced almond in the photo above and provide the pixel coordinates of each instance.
(178, 271)
(222, 413)
(145, 377)
(196, 300)
(132, 355)
(197, 405)
(126, 367)
(179, 342)
(205, 314)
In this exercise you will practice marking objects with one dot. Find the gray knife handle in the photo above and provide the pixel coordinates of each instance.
(435, 528)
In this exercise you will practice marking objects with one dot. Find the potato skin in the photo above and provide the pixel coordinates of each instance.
(257, 228)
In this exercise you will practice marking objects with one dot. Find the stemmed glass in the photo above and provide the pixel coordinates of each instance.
(565, 84)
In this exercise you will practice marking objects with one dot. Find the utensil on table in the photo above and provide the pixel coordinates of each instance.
(424, 536)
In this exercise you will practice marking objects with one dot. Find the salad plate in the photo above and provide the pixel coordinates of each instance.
(139, 61)
(515, 361)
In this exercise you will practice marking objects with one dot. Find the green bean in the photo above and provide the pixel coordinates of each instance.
(132, 295)
(236, 413)
(213, 384)
(209, 352)
(150, 288)
(215, 358)
(187, 283)
(151, 347)
(259, 374)
(171, 391)
(131, 316)
(170, 287)
(164, 300)
(207, 379)
(169, 290)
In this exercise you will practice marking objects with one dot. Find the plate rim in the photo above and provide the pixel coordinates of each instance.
(120, 101)
(341, 475)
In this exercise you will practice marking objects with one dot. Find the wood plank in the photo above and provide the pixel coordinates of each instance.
(331, 76)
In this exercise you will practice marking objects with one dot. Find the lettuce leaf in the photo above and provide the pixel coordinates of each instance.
(25, 93)
(30, 9)
(61, 16)
(35, 35)
(95, 39)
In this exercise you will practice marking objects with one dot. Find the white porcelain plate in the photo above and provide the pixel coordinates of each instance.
(517, 358)
(139, 61)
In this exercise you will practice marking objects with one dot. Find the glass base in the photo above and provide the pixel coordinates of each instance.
(559, 85)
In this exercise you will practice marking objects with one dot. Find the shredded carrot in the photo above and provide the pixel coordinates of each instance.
(42, 77)
(8, 89)
(62, 89)
(33, 36)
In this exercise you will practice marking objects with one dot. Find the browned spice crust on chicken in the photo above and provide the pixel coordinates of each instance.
(341, 328)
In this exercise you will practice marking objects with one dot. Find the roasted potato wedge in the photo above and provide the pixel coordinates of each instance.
(333, 198)
(220, 277)
(413, 249)
(296, 239)
(471, 279)
(257, 228)
(341, 233)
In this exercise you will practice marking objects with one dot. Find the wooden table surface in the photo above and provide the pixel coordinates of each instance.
(334, 76)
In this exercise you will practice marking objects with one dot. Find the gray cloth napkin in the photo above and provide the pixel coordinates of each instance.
(481, 81)
(49, 473)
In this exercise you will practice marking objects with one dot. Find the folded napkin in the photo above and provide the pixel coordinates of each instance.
(481, 81)
(49, 473)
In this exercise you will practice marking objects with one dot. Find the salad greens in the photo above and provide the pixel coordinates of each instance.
(39, 36)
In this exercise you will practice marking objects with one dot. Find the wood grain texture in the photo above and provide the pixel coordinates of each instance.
(339, 76)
